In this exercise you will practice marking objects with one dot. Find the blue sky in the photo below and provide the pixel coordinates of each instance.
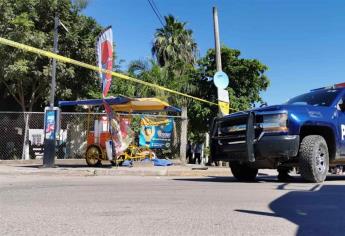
(301, 41)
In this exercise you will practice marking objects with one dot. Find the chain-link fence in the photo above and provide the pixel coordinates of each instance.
(22, 134)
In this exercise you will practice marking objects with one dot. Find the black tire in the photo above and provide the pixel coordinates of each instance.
(314, 158)
(243, 172)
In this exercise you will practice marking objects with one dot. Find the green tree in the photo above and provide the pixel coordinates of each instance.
(151, 72)
(26, 76)
(175, 52)
(246, 80)
(174, 44)
(247, 76)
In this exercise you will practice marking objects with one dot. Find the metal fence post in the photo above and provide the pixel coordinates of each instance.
(184, 127)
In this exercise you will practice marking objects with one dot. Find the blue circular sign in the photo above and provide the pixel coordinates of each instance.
(221, 80)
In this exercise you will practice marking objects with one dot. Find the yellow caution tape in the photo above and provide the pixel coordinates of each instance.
(91, 67)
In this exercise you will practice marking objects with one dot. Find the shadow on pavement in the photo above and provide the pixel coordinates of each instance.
(317, 211)
(68, 166)
(260, 178)
(224, 179)
(220, 179)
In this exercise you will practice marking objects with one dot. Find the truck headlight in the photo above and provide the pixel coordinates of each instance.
(274, 122)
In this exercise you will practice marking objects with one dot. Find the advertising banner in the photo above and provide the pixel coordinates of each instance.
(156, 132)
(104, 51)
(51, 123)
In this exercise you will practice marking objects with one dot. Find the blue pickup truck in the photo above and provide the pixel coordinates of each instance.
(307, 132)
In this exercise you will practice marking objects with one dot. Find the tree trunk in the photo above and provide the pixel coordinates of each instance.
(184, 126)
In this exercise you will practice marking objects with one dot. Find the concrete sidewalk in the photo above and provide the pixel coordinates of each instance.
(79, 168)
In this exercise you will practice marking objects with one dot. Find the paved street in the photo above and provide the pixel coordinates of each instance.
(120, 205)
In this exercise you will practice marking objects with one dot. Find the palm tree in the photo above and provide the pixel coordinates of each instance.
(174, 43)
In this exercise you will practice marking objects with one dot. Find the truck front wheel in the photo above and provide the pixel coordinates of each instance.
(314, 158)
(243, 172)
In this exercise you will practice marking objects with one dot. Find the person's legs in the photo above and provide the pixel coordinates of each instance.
(189, 157)
(198, 158)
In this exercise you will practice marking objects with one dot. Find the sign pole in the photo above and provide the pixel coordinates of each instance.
(49, 142)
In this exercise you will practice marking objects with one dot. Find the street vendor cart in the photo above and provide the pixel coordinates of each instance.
(111, 138)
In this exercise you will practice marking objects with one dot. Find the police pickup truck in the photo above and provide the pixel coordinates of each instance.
(307, 132)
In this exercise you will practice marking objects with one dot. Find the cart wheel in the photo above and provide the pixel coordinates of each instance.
(93, 156)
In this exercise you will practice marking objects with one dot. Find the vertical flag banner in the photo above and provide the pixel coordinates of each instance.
(104, 50)
(121, 133)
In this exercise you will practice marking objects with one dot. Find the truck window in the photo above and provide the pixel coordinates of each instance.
(323, 97)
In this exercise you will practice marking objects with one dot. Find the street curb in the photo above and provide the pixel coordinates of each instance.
(163, 171)
(76, 167)
(115, 171)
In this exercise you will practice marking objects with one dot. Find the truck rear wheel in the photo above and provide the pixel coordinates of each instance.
(243, 172)
(314, 158)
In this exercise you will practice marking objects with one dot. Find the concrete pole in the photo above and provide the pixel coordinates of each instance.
(184, 127)
(217, 48)
(53, 82)
(216, 39)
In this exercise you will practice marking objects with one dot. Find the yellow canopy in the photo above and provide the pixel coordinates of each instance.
(126, 104)
(143, 104)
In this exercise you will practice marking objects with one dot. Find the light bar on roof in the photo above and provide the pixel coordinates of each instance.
(341, 85)
(329, 87)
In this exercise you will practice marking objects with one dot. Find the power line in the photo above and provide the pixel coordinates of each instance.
(156, 13)
(155, 6)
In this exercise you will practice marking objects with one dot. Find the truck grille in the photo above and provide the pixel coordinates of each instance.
(233, 129)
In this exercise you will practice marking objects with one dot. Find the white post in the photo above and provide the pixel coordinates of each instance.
(184, 127)
(26, 153)
(207, 144)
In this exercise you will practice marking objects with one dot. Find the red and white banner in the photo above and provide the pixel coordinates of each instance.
(104, 50)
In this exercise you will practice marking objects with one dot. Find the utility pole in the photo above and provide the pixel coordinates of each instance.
(53, 83)
(218, 56)
(216, 39)
(49, 142)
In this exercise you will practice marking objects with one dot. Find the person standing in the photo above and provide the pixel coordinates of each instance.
(197, 153)
(189, 156)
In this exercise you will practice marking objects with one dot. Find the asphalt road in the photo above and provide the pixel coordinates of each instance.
(119, 205)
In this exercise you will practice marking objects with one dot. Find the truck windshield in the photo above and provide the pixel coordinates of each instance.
(323, 97)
